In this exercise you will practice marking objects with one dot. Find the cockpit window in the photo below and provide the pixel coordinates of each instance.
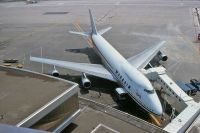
(149, 91)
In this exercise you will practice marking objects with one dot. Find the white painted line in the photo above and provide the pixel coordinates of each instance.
(102, 125)
(86, 3)
(177, 67)
(173, 65)
(117, 3)
(60, 4)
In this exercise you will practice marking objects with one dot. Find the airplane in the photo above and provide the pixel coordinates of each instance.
(127, 73)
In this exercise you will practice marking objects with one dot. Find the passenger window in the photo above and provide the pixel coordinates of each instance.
(149, 91)
(122, 79)
(116, 71)
(129, 86)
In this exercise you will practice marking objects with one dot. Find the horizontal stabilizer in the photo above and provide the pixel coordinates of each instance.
(80, 33)
(101, 32)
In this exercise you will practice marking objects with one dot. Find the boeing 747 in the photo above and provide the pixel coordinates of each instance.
(125, 72)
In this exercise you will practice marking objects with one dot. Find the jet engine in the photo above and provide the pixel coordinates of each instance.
(162, 57)
(85, 81)
(121, 94)
(55, 72)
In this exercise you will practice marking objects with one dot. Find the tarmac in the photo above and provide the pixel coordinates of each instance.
(24, 28)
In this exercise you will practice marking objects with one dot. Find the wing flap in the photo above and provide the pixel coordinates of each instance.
(92, 69)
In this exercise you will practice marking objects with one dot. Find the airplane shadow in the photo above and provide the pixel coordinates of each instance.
(105, 86)
(97, 84)
(131, 107)
(92, 56)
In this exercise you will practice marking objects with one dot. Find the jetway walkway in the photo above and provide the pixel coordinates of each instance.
(183, 121)
(188, 109)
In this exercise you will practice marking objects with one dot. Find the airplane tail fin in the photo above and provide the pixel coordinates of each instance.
(93, 28)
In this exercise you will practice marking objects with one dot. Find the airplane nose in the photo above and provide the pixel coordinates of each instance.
(158, 110)
(156, 106)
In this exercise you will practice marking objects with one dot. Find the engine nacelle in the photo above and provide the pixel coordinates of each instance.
(55, 73)
(121, 93)
(162, 56)
(85, 81)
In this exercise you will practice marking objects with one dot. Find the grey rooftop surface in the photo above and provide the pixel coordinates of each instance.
(89, 119)
(22, 93)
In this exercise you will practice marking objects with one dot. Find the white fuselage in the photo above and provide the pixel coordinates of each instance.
(128, 77)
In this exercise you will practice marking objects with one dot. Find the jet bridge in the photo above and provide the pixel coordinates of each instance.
(188, 109)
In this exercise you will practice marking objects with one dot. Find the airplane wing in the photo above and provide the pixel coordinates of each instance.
(92, 69)
(142, 59)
